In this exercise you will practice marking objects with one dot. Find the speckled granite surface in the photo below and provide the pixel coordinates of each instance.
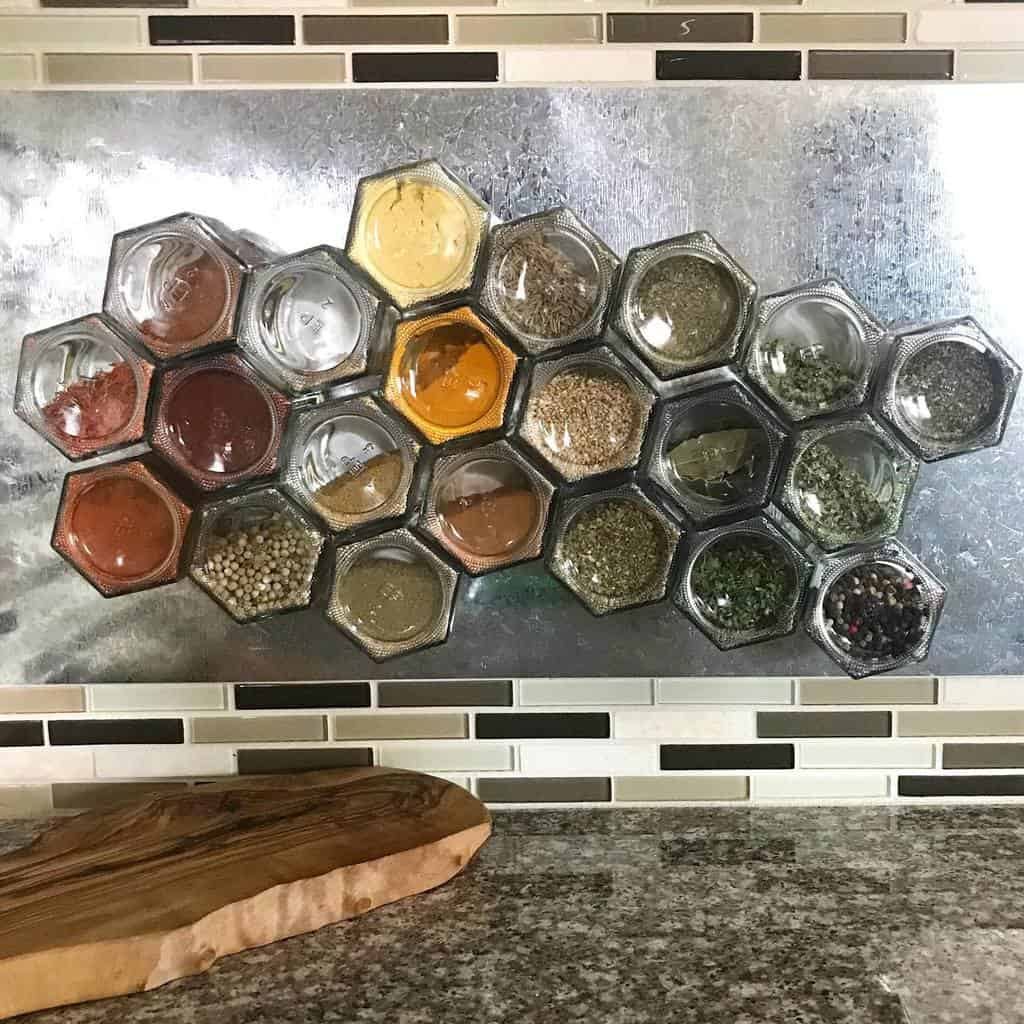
(865, 915)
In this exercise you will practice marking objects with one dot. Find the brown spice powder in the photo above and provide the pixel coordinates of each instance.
(368, 488)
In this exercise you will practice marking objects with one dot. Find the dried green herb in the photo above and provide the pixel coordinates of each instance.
(836, 496)
(713, 456)
(806, 377)
(743, 585)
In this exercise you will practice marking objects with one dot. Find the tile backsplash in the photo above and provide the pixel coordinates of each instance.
(529, 741)
(66, 44)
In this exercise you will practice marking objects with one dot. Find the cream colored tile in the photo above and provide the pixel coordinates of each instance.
(960, 723)
(528, 29)
(866, 755)
(571, 759)
(723, 690)
(554, 692)
(887, 690)
(697, 723)
(70, 30)
(259, 729)
(440, 5)
(977, 25)
(17, 69)
(990, 65)
(117, 69)
(25, 802)
(381, 726)
(1002, 690)
(447, 757)
(34, 764)
(162, 762)
(643, 788)
(156, 697)
(39, 700)
(272, 68)
(545, 65)
(833, 28)
(811, 786)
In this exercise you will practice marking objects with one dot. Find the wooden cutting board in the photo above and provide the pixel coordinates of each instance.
(123, 900)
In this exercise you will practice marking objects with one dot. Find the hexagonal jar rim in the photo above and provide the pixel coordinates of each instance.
(890, 552)
(346, 555)
(278, 406)
(433, 521)
(543, 372)
(254, 344)
(107, 584)
(206, 234)
(1005, 378)
(724, 638)
(599, 605)
(214, 509)
(435, 173)
(362, 407)
(559, 220)
(36, 344)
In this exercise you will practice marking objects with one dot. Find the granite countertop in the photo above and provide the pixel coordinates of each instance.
(860, 915)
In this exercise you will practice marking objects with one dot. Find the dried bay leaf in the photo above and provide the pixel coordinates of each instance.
(714, 455)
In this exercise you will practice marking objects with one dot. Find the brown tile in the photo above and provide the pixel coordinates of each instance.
(833, 28)
(370, 29)
(221, 30)
(544, 791)
(796, 724)
(445, 693)
(118, 68)
(517, 29)
(675, 28)
(40, 700)
(272, 68)
(259, 729)
(24, 802)
(85, 796)
(887, 690)
(271, 696)
(880, 64)
(20, 733)
(101, 731)
(273, 762)
(983, 755)
(400, 727)
(450, 66)
(731, 65)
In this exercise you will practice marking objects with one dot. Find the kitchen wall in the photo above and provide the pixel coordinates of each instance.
(66, 44)
(536, 742)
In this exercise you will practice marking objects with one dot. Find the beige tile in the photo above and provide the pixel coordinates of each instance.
(375, 29)
(272, 68)
(513, 29)
(17, 69)
(30, 764)
(596, 692)
(75, 30)
(833, 28)
(698, 787)
(260, 729)
(24, 802)
(990, 65)
(868, 691)
(960, 723)
(156, 697)
(118, 68)
(377, 726)
(84, 796)
(440, 4)
(163, 761)
(39, 700)
(724, 3)
(698, 723)
(547, 65)
(976, 25)
(447, 757)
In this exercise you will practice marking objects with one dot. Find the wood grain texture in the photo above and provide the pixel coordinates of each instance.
(123, 900)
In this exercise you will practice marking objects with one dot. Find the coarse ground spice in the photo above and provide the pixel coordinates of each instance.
(542, 290)
(947, 391)
(836, 496)
(364, 488)
(585, 417)
(390, 596)
(806, 377)
(686, 307)
(877, 611)
(261, 568)
(614, 549)
(94, 407)
(743, 584)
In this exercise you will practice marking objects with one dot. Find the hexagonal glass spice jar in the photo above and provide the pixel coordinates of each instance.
(121, 527)
(256, 554)
(307, 322)
(450, 375)
(743, 583)
(218, 422)
(82, 387)
(715, 453)
(948, 388)
(173, 285)
(488, 507)
(848, 482)
(391, 594)
(875, 610)
(684, 304)
(586, 414)
(548, 279)
(417, 231)
(350, 462)
(814, 349)
(614, 549)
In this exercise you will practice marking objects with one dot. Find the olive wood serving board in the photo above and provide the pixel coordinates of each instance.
(126, 899)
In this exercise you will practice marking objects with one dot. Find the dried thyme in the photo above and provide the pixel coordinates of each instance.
(742, 585)
(807, 377)
(836, 496)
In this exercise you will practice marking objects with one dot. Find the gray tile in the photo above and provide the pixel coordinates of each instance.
(273, 762)
(376, 726)
(909, 690)
(541, 791)
(733, 65)
(85, 796)
(778, 724)
(118, 68)
(517, 29)
(540, 725)
(674, 28)
(271, 696)
(961, 723)
(881, 64)
(983, 755)
(642, 788)
(833, 28)
(259, 729)
(368, 29)
(703, 757)
(445, 693)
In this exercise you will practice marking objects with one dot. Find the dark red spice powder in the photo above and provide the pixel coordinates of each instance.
(93, 408)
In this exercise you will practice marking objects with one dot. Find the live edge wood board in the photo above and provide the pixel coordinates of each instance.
(124, 900)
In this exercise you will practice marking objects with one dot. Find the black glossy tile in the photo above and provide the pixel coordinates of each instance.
(445, 693)
(983, 755)
(675, 28)
(690, 757)
(259, 696)
(543, 726)
(880, 64)
(961, 785)
(116, 730)
(549, 791)
(451, 66)
(222, 30)
(731, 65)
(373, 29)
(273, 762)
(799, 724)
(21, 734)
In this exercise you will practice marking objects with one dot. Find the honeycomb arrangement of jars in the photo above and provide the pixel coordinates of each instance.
(452, 395)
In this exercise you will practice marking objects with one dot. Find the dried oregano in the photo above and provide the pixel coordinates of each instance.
(742, 585)
(835, 496)
(806, 377)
